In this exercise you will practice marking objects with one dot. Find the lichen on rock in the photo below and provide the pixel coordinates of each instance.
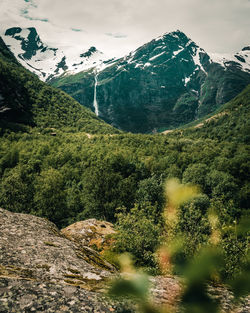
(91, 233)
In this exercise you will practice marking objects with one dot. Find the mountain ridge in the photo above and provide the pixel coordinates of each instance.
(167, 82)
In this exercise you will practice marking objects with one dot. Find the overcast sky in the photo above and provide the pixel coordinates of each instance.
(120, 26)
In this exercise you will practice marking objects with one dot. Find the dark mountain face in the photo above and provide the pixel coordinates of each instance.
(89, 52)
(148, 89)
(165, 83)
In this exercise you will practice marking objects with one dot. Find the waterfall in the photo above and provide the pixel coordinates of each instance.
(95, 101)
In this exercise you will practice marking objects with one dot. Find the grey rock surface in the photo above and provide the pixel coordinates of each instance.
(42, 270)
(19, 295)
(33, 248)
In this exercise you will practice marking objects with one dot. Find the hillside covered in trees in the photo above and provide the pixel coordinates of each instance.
(25, 100)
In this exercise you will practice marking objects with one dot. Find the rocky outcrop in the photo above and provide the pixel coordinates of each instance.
(33, 248)
(92, 233)
(19, 295)
(40, 268)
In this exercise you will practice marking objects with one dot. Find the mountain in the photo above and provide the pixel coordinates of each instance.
(165, 83)
(24, 99)
(241, 59)
(48, 62)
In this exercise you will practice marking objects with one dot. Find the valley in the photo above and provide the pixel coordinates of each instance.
(114, 140)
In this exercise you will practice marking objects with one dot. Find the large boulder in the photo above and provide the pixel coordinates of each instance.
(92, 233)
(33, 248)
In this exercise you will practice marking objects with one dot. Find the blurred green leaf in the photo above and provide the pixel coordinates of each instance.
(136, 287)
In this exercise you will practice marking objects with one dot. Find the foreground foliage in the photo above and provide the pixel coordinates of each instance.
(201, 270)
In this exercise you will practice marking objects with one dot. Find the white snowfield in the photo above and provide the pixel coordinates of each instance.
(242, 58)
(45, 64)
(157, 56)
(197, 60)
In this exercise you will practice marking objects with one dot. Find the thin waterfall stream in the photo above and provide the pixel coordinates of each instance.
(95, 101)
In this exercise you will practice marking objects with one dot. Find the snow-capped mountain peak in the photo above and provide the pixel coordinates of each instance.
(30, 42)
(171, 48)
(48, 62)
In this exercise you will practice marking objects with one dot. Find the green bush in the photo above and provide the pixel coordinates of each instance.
(139, 235)
(193, 225)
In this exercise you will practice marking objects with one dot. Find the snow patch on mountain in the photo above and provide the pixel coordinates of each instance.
(48, 62)
(186, 80)
(178, 51)
(242, 59)
(197, 58)
(156, 56)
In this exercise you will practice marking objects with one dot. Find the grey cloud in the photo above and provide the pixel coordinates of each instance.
(116, 35)
(76, 30)
(216, 25)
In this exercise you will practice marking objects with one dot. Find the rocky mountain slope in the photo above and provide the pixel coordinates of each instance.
(48, 62)
(167, 82)
(229, 123)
